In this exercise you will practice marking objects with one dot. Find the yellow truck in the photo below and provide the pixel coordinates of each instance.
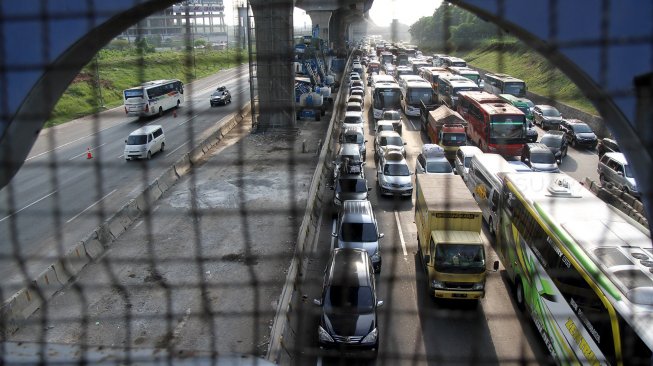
(449, 239)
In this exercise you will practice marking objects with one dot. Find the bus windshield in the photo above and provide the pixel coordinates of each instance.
(507, 129)
(459, 258)
(515, 88)
(472, 77)
(414, 95)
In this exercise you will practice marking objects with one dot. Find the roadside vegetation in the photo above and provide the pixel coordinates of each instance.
(485, 46)
(122, 65)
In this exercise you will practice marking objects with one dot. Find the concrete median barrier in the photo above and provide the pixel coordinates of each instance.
(19, 306)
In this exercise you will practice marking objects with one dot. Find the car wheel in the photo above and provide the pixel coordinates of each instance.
(149, 155)
(565, 153)
(519, 295)
(178, 103)
(573, 142)
(163, 146)
(160, 111)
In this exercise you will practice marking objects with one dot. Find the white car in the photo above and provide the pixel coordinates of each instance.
(393, 175)
(388, 140)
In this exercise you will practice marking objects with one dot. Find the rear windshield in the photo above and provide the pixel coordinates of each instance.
(354, 138)
(579, 128)
(137, 140)
(352, 185)
(353, 119)
(133, 93)
(543, 158)
(551, 112)
(552, 141)
(438, 167)
(358, 232)
(391, 140)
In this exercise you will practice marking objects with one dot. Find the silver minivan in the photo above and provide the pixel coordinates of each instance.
(613, 168)
(144, 142)
(357, 228)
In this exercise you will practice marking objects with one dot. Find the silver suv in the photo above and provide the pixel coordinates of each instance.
(354, 135)
(613, 168)
(357, 228)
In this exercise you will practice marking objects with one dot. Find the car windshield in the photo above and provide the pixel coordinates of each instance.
(507, 129)
(353, 119)
(358, 232)
(581, 128)
(391, 140)
(354, 138)
(398, 170)
(550, 112)
(468, 160)
(354, 108)
(551, 141)
(391, 115)
(459, 258)
(515, 88)
(438, 167)
(351, 185)
(136, 139)
(349, 298)
(543, 158)
(454, 139)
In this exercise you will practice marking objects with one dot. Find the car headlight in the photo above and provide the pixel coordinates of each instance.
(323, 335)
(437, 284)
(371, 337)
(478, 286)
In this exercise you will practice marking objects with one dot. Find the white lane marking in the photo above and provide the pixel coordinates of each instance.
(187, 120)
(180, 146)
(85, 152)
(333, 238)
(411, 122)
(30, 205)
(89, 207)
(68, 143)
(401, 234)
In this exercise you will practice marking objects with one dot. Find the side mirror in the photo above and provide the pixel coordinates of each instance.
(379, 303)
(369, 189)
(526, 160)
(381, 235)
(495, 266)
(335, 235)
(427, 259)
(317, 302)
(125, 141)
(405, 143)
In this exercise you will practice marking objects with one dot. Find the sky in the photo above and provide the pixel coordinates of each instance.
(382, 11)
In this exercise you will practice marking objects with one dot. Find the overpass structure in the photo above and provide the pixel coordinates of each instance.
(605, 47)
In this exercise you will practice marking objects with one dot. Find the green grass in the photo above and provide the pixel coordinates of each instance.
(119, 70)
(514, 58)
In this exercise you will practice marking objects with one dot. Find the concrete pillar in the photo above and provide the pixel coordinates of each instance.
(337, 30)
(322, 19)
(274, 56)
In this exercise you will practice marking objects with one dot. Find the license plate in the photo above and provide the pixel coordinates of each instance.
(459, 295)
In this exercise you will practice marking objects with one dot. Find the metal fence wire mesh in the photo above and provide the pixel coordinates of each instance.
(213, 246)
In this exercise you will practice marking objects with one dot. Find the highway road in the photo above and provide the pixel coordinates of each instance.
(59, 196)
(413, 328)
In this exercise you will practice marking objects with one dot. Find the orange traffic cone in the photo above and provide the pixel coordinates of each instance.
(174, 113)
(88, 153)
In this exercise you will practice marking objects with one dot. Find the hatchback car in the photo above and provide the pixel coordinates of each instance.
(349, 303)
(387, 140)
(220, 96)
(607, 145)
(556, 141)
(393, 116)
(539, 158)
(349, 187)
(393, 175)
(547, 117)
(357, 228)
(432, 160)
(613, 168)
(579, 134)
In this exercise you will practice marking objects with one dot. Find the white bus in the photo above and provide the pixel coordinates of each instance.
(153, 97)
(386, 96)
(580, 268)
(505, 84)
(412, 93)
(450, 86)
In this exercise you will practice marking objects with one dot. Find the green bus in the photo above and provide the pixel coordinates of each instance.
(581, 269)
(522, 104)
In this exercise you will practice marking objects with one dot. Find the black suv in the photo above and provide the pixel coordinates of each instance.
(557, 143)
(606, 146)
(349, 303)
(579, 134)
(539, 158)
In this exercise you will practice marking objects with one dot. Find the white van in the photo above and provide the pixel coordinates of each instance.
(484, 180)
(144, 142)
(463, 159)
